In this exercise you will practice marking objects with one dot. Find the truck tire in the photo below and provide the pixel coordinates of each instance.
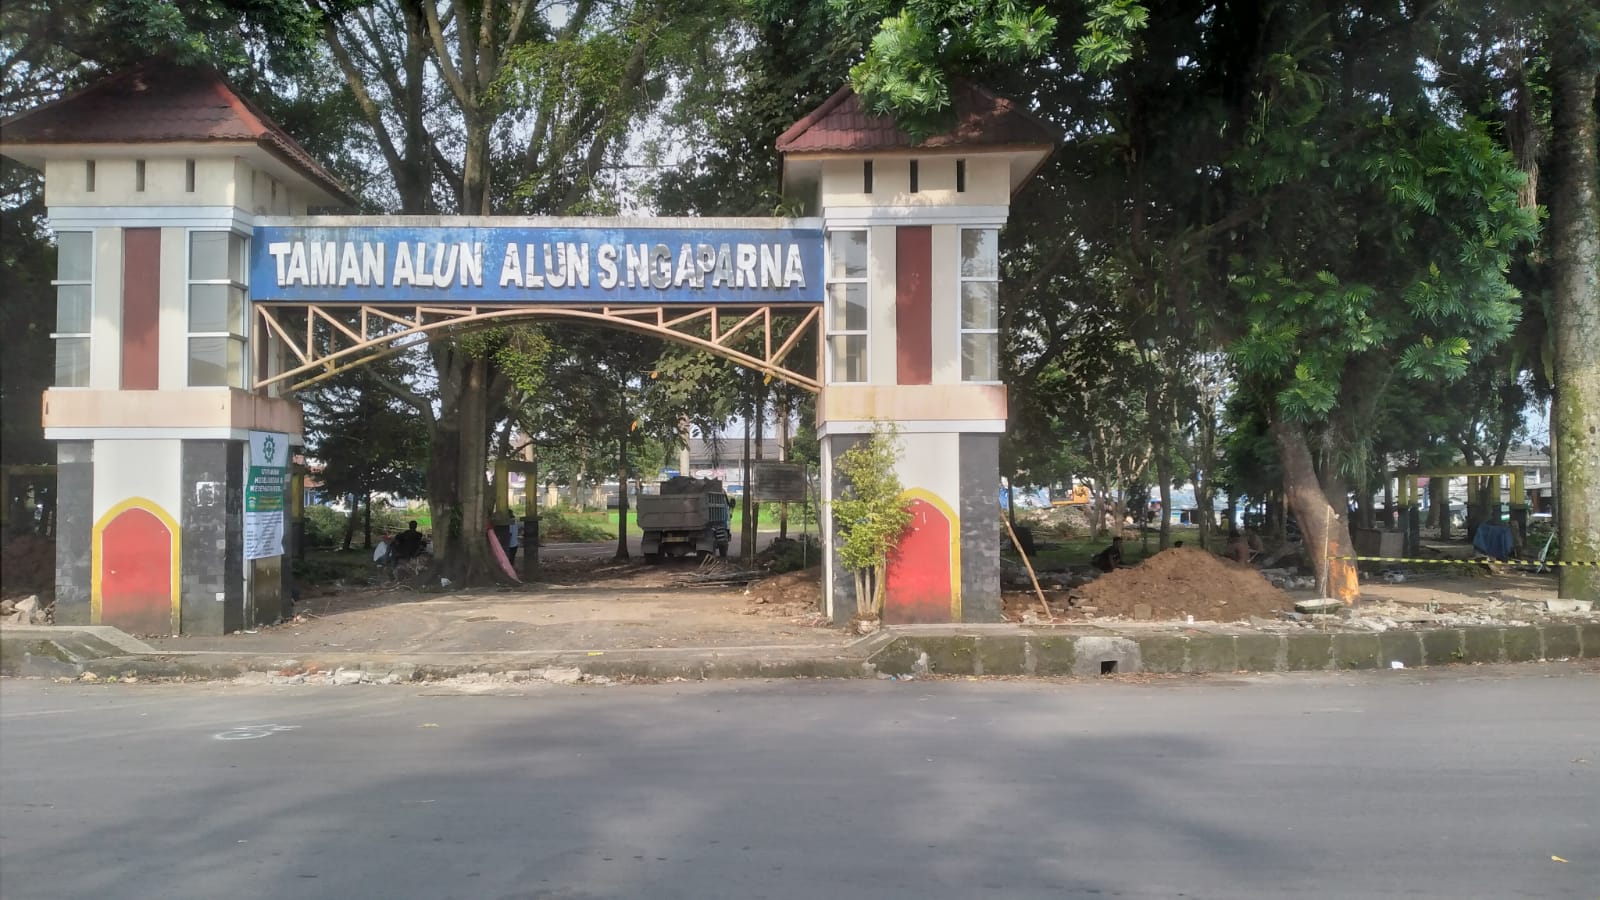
(652, 558)
(722, 549)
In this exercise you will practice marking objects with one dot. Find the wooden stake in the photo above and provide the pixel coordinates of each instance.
(1031, 576)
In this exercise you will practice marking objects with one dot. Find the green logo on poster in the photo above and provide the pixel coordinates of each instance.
(269, 449)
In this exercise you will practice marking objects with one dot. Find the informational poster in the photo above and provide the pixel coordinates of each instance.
(779, 481)
(266, 481)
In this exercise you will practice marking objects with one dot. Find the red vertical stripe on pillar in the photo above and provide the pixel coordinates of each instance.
(141, 309)
(913, 304)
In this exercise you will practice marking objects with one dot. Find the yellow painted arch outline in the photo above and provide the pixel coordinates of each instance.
(98, 550)
(937, 502)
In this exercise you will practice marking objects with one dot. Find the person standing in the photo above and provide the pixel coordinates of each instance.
(513, 539)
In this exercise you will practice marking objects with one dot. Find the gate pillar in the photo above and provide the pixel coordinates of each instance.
(912, 329)
(153, 179)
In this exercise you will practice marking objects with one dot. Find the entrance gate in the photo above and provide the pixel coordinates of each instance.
(197, 292)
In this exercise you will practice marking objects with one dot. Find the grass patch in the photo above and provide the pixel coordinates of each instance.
(328, 566)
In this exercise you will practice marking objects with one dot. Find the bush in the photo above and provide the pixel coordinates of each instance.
(324, 527)
(563, 525)
(389, 520)
(792, 554)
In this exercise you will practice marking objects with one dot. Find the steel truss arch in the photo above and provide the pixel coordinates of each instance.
(327, 345)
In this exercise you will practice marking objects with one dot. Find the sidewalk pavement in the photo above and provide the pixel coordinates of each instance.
(651, 624)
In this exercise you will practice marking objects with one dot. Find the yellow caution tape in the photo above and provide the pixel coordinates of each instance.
(1467, 562)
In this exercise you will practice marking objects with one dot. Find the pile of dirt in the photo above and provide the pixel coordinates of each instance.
(792, 593)
(28, 566)
(1184, 581)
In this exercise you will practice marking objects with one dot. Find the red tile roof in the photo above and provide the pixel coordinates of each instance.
(159, 102)
(983, 119)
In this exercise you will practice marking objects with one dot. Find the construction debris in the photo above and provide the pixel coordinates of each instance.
(26, 611)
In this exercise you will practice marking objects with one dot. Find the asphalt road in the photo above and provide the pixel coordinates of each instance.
(1451, 784)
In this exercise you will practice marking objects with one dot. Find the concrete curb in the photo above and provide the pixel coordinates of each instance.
(957, 651)
(56, 651)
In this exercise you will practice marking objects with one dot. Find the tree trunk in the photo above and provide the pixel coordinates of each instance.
(1164, 472)
(366, 525)
(783, 454)
(1323, 529)
(1575, 260)
(474, 457)
(475, 169)
(761, 432)
(747, 528)
(350, 522)
(460, 455)
(622, 499)
(1272, 518)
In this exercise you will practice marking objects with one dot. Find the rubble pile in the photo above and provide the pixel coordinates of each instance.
(1289, 579)
(1066, 520)
(26, 611)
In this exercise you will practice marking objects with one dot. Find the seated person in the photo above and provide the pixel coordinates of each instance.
(408, 543)
(1109, 558)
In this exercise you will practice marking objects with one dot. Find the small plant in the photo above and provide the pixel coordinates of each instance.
(870, 514)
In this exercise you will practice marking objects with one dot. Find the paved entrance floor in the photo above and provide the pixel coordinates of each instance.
(636, 607)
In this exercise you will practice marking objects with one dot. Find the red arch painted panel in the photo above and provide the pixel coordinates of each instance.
(136, 576)
(917, 586)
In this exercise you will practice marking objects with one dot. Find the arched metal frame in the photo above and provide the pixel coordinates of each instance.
(330, 345)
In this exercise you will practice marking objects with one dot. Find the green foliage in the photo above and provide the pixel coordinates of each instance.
(905, 70)
(870, 514)
(1108, 38)
(324, 526)
(366, 440)
(1432, 208)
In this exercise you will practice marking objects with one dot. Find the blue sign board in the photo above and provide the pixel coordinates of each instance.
(487, 264)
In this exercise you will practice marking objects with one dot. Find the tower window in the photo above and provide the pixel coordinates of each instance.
(866, 177)
(913, 176)
(961, 176)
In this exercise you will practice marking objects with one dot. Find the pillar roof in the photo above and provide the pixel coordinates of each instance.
(160, 102)
(984, 123)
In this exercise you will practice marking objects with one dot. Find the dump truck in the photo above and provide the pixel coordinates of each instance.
(689, 517)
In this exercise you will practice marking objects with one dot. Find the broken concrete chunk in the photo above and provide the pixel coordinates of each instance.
(563, 675)
(1319, 605)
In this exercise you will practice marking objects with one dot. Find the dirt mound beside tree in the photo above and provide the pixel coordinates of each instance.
(801, 588)
(1184, 581)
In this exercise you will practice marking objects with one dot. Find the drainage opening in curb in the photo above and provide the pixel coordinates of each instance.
(1108, 667)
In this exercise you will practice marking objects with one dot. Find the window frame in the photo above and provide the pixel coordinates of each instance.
(829, 332)
(242, 338)
(86, 336)
(961, 282)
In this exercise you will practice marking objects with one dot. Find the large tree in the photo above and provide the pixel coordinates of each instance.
(498, 107)
(1575, 251)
